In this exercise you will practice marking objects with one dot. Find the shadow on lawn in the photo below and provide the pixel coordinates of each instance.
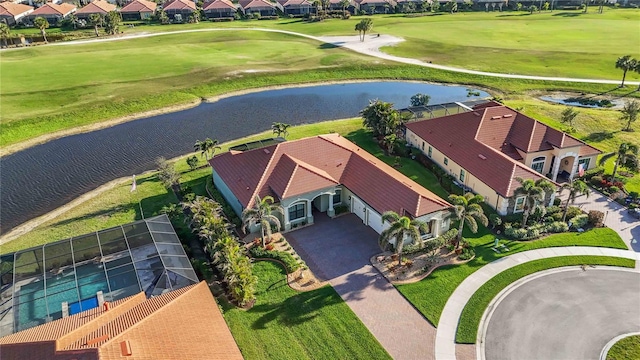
(599, 136)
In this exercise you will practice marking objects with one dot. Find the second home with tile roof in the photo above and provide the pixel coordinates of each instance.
(54, 13)
(487, 148)
(313, 176)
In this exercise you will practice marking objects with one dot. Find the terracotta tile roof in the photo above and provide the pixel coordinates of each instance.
(97, 7)
(219, 4)
(179, 5)
(259, 4)
(485, 142)
(295, 167)
(54, 9)
(11, 9)
(139, 6)
(378, 2)
(182, 324)
(286, 3)
(243, 3)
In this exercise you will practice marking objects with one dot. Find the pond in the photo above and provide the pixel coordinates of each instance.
(44, 177)
(584, 102)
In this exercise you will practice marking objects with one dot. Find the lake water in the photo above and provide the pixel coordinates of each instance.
(45, 177)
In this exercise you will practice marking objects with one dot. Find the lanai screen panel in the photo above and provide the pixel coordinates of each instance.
(117, 262)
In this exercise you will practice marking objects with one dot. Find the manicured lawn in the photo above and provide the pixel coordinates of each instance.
(285, 324)
(473, 311)
(601, 128)
(627, 348)
(119, 206)
(431, 294)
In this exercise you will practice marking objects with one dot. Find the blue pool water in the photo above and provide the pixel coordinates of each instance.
(83, 305)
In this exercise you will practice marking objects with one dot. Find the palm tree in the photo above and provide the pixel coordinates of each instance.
(363, 27)
(280, 129)
(96, 20)
(261, 214)
(626, 63)
(630, 113)
(575, 187)
(344, 4)
(5, 31)
(568, 115)
(534, 193)
(627, 154)
(42, 24)
(207, 147)
(401, 228)
(468, 210)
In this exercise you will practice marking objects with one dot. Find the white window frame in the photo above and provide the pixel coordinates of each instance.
(304, 211)
(537, 161)
(462, 176)
(515, 206)
(586, 161)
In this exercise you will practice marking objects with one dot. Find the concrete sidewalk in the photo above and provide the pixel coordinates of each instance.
(445, 348)
(616, 216)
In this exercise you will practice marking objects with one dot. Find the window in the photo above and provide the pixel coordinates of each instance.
(584, 163)
(538, 164)
(519, 205)
(337, 197)
(462, 176)
(446, 161)
(423, 146)
(296, 212)
(430, 151)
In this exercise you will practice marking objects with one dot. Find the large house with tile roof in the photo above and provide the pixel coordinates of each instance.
(183, 8)
(101, 7)
(12, 14)
(262, 7)
(138, 10)
(54, 13)
(181, 324)
(316, 174)
(487, 148)
(296, 7)
(220, 9)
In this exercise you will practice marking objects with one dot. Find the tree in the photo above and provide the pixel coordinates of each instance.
(167, 173)
(626, 63)
(261, 214)
(626, 156)
(192, 161)
(364, 26)
(408, 7)
(381, 118)
(468, 211)
(601, 6)
(532, 9)
(586, 6)
(435, 6)
(112, 22)
(420, 99)
(575, 187)
(467, 5)
(452, 6)
(424, 5)
(207, 147)
(345, 4)
(172, 210)
(401, 228)
(163, 17)
(630, 113)
(280, 129)
(96, 20)
(546, 6)
(568, 115)
(42, 24)
(534, 193)
(5, 32)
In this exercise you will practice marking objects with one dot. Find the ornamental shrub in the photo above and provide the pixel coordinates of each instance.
(573, 212)
(597, 180)
(579, 221)
(467, 253)
(596, 218)
(287, 259)
(557, 227)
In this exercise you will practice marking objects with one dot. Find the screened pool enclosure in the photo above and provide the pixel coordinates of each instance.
(72, 275)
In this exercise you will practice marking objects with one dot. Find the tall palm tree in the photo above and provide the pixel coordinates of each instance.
(42, 24)
(363, 27)
(344, 4)
(627, 154)
(630, 113)
(576, 188)
(401, 228)
(96, 20)
(5, 31)
(534, 193)
(625, 63)
(261, 214)
(207, 147)
(468, 211)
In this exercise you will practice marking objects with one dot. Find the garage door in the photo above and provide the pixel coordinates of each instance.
(358, 208)
(375, 221)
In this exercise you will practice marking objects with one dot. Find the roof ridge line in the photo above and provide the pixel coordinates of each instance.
(484, 114)
(314, 169)
(260, 183)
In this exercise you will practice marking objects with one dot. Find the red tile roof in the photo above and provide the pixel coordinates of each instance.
(11, 9)
(294, 2)
(259, 4)
(97, 7)
(179, 5)
(485, 143)
(295, 167)
(181, 324)
(219, 4)
(54, 9)
(139, 6)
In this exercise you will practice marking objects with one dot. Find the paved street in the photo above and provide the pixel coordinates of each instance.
(339, 250)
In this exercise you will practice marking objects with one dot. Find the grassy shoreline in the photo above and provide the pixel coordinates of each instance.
(474, 309)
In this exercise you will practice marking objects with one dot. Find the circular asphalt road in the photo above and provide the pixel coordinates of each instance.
(564, 316)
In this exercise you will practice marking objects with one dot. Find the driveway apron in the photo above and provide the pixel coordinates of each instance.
(338, 250)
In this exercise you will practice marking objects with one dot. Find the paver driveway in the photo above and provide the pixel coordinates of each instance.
(339, 250)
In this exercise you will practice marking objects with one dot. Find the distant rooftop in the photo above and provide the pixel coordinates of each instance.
(66, 277)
